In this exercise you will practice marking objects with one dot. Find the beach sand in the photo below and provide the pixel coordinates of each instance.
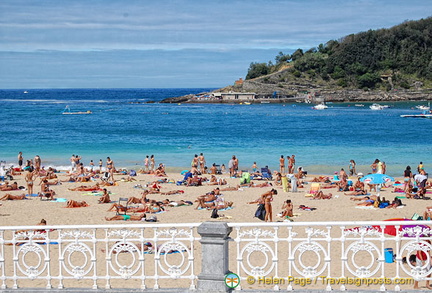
(339, 208)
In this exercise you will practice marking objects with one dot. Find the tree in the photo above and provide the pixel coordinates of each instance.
(297, 54)
(257, 69)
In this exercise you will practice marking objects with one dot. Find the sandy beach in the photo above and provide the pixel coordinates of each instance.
(338, 208)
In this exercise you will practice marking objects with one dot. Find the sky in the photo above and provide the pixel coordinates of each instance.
(172, 43)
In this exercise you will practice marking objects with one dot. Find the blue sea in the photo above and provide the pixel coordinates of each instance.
(126, 128)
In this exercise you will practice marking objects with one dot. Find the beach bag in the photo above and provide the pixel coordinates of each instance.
(260, 212)
(132, 173)
(151, 219)
(214, 214)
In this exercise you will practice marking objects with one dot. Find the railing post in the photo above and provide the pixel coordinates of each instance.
(214, 253)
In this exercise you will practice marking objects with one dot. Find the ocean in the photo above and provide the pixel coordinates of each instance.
(126, 128)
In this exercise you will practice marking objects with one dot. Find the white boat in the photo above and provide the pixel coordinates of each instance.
(359, 105)
(320, 107)
(377, 107)
(423, 107)
(25, 92)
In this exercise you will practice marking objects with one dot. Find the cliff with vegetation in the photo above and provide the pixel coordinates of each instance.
(385, 64)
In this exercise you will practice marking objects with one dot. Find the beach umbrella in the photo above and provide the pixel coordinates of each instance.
(376, 179)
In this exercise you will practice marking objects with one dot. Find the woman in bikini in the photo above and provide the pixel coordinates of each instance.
(268, 198)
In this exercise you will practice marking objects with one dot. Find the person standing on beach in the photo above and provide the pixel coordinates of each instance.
(146, 163)
(91, 165)
(194, 163)
(30, 177)
(100, 165)
(72, 160)
(231, 166)
(379, 167)
(152, 163)
(20, 160)
(268, 198)
(236, 165)
(374, 166)
(202, 163)
(110, 168)
(352, 168)
(37, 162)
(291, 164)
(282, 165)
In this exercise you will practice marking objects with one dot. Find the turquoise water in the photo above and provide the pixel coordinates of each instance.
(127, 129)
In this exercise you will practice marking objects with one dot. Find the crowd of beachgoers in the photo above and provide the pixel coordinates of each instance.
(226, 192)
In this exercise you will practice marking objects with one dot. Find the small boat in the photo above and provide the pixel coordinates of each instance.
(359, 105)
(247, 103)
(67, 111)
(423, 107)
(428, 116)
(265, 102)
(25, 92)
(377, 107)
(321, 106)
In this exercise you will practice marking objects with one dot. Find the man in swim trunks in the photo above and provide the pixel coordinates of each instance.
(20, 160)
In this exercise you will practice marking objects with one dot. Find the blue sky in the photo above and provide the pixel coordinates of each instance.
(171, 43)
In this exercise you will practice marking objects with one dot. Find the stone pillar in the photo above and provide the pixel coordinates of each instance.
(214, 253)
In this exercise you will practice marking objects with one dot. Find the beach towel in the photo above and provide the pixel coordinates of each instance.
(59, 200)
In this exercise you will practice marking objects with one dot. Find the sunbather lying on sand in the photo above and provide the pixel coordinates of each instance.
(322, 195)
(178, 203)
(367, 200)
(8, 196)
(86, 188)
(127, 218)
(8, 187)
(76, 204)
(177, 191)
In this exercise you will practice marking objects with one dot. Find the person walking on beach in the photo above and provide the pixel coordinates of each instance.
(146, 163)
(352, 168)
(282, 165)
(152, 163)
(20, 160)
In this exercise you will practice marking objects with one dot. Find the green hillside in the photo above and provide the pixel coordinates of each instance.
(398, 57)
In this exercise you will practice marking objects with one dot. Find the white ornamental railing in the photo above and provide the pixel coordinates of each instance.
(332, 255)
(264, 256)
(98, 256)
